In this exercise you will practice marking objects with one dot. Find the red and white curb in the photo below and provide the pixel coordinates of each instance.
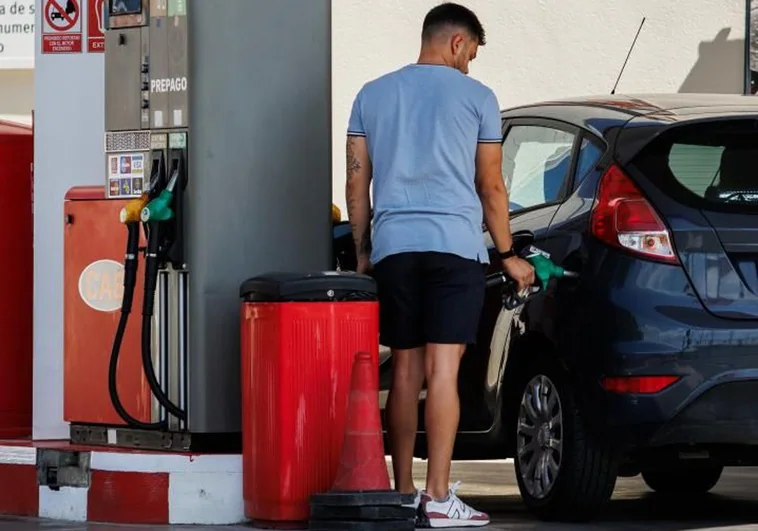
(133, 488)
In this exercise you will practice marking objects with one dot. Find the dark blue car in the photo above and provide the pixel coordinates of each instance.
(648, 362)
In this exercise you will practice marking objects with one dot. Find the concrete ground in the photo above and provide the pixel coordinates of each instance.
(491, 486)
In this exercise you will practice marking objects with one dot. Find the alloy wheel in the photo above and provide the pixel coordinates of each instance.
(539, 436)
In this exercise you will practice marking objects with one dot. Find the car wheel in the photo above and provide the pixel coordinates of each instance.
(563, 473)
(683, 480)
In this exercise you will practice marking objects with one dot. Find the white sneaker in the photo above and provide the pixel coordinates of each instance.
(452, 512)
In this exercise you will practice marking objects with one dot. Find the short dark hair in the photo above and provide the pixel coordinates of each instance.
(451, 14)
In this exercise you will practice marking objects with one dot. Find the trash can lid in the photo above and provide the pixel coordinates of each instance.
(324, 286)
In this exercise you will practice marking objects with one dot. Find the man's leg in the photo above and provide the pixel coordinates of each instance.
(442, 413)
(401, 329)
(402, 413)
(454, 297)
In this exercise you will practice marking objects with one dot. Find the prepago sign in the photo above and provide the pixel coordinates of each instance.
(173, 84)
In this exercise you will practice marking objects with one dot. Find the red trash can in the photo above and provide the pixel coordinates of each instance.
(300, 333)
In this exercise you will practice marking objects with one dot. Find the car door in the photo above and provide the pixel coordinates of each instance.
(538, 164)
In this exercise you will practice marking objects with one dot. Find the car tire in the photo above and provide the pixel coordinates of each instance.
(587, 468)
(683, 480)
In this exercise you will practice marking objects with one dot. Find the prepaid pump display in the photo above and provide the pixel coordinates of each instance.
(125, 7)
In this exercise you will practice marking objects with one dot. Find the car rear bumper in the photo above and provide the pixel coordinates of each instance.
(649, 323)
(723, 414)
(715, 412)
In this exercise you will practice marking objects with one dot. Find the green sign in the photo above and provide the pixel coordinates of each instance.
(177, 8)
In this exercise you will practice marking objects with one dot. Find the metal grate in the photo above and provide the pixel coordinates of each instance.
(127, 141)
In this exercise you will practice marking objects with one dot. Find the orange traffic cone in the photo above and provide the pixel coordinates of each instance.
(361, 498)
(362, 464)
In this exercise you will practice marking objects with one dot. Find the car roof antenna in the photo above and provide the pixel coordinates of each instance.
(627, 55)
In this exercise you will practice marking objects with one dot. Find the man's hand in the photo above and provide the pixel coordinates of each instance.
(364, 265)
(519, 270)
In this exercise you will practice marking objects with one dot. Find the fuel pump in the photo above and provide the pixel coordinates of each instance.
(216, 191)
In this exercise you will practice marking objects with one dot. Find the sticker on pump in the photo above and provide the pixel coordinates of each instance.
(137, 163)
(101, 285)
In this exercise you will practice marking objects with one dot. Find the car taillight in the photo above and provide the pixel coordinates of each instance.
(622, 217)
(638, 385)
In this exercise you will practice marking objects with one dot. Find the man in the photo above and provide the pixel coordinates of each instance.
(430, 137)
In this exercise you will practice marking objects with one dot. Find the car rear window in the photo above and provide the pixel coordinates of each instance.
(712, 164)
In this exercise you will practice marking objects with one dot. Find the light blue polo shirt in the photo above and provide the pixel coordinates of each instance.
(422, 124)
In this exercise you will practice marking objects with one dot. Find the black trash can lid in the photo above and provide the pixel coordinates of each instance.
(324, 286)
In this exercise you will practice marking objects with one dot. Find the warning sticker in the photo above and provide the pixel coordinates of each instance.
(96, 14)
(126, 172)
(61, 26)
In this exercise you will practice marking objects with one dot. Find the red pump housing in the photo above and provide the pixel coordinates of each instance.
(94, 247)
(16, 280)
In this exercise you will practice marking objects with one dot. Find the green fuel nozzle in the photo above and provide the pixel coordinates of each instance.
(545, 269)
(159, 209)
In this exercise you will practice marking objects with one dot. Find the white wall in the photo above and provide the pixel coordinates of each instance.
(68, 151)
(536, 50)
(17, 95)
(548, 49)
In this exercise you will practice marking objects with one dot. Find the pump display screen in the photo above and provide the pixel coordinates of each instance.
(125, 7)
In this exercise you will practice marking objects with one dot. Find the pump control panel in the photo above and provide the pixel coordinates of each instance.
(146, 82)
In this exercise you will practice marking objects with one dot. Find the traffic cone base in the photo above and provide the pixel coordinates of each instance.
(389, 498)
(349, 525)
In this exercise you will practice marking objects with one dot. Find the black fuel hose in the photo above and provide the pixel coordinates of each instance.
(151, 282)
(130, 281)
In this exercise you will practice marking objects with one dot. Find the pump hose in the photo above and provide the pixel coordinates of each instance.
(130, 280)
(151, 281)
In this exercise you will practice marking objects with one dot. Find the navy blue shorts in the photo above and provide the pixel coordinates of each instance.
(429, 297)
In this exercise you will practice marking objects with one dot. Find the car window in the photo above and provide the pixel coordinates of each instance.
(708, 165)
(589, 154)
(696, 167)
(536, 160)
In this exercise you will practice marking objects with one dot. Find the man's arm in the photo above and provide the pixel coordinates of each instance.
(357, 186)
(491, 189)
(492, 192)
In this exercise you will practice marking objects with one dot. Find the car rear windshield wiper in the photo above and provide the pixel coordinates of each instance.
(739, 196)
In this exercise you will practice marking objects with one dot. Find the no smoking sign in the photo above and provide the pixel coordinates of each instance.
(62, 26)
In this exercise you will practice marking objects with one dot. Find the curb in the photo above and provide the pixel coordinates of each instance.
(126, 487)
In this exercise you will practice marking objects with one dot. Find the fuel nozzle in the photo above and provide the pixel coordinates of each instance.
(132, 211)
(545, 269)
(159, 209)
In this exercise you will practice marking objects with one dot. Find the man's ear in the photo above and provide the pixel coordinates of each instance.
(455, 43)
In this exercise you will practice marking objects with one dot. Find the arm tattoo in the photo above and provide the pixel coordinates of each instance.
(353, 165)
(357, 206)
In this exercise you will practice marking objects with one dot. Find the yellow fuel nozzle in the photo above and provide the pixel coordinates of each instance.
(131, 212)
(336, 214)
